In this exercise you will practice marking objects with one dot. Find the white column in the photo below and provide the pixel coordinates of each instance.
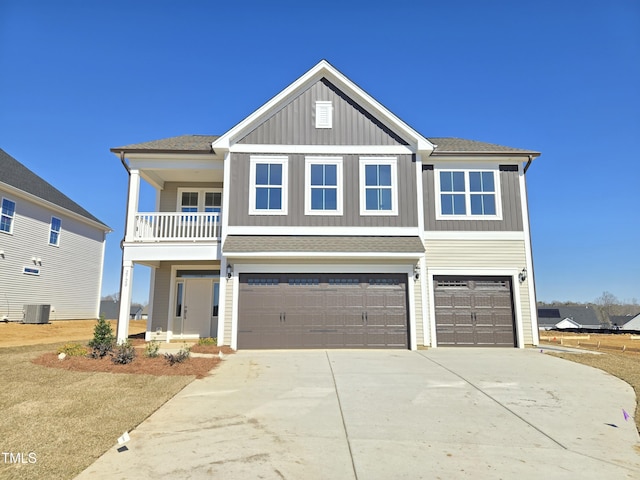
(222, 306)
(152, 288)
(126, 289)
(132, 204)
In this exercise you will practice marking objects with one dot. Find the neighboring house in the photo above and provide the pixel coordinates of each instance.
(109, 309)
(550, 317)
(626, 322)
(51, 249)
(135, 312)
(322, 220)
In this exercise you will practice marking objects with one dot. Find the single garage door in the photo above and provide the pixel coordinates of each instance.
(474, 311)
(322, 311)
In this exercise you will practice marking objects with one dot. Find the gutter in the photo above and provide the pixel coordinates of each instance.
(526, 167)
(126, 219)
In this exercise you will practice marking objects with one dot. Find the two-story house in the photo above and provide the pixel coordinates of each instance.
(322, 220)
(51, 248)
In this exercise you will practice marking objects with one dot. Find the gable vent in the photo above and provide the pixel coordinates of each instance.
(324, 114)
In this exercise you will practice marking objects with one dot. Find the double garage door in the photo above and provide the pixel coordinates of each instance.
(474, 311)
(322, 311)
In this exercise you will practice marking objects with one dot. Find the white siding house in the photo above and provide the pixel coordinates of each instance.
(51, 249)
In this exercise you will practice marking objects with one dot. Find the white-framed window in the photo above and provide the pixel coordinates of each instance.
(324, 114)
(323, 186)
(268, 184)
(468, 193)
(378, 186)
(7, 215)
(199, 200)
(54, 231)
(31, 271)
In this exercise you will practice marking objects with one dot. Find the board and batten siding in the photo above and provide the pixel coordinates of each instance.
(484, 254)
(228, 313)
(169, 194)
(511, 206)
(294, 124)
(239, 196)
(417, 319)
(70, 275)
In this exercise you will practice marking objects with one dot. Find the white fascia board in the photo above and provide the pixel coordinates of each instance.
(178, 251)
(324, 149)
(52, 206)
(320, 70)
(176, 162)
(486, 158)
(467, 235)
(326, 231)
(303, 255)
(322, 268)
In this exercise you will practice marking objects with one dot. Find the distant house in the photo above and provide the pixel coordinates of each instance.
(51, 249)
(626, 322)
(135, 312)
(567, 317)
(109, 309)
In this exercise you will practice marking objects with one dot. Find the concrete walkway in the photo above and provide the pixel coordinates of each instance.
(358, 414)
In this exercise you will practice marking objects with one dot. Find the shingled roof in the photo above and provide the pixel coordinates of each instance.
(179, 144)
(454, 146)
(20, 177)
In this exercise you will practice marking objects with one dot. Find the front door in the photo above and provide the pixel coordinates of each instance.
(197, 313)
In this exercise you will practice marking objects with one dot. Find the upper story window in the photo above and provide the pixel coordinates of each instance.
(7, 216)
(324, 114)
(378, 186)
(268, 185)
(54, 231)
(199, 200)
(323, 186)
(465, 194)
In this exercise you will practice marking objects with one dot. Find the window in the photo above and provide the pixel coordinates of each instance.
(54, 231)
(268, 187)
(199, 200)
(31, 271)
(7, 216)
(323, 186)
(378, 186)
(468, 194)
(324, 114)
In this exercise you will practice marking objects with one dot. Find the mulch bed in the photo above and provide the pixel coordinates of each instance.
(199, 367)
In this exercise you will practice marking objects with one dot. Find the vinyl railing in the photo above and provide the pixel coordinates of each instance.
(161, 226)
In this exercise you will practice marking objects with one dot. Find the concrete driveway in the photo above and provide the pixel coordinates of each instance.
(361, 414)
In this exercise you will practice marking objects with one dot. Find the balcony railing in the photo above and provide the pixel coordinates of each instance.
(165, 226)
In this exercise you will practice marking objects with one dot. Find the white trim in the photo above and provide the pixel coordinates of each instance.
(284, 187)
(393, 163)
(239, 268)
(528, 252)
(324, 114)
(323, 149)
(35, 271)
(464, 271)
(323, 70)
(269, 254)
(471, 235)
(419, 191)
(466, 169)
(59, 232)
(132, 204)
(324, 231)
(152, 287)
(426, 331)
(201, 191)
(308, 162)
(222, 310)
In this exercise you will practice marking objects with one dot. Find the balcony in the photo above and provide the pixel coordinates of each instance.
(176, 227)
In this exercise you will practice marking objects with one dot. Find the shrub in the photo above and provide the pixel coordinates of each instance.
(73, 350)
(208, 341)
(182, 355)
(103, 339)
(151, 349)
(124, 354)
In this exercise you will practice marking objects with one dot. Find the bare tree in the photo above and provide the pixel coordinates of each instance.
(605, 303)
(113, 297)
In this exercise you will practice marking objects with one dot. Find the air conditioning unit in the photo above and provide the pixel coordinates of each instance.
(36, 313)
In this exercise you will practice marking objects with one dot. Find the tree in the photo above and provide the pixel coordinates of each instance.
(112, 296)
(605, 303)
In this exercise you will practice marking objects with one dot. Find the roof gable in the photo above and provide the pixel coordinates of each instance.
(21, 178)
(323, 70)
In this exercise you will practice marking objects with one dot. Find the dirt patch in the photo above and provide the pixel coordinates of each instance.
(18, 334)
(619, 343)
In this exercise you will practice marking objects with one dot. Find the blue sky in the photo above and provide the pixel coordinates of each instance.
(560, 77)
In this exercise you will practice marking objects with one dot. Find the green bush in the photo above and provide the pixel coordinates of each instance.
(73, 350)
(208, 341)
(151, 349)
(124, 354)
(103, 339)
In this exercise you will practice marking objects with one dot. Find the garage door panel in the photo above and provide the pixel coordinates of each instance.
(474, 311)
(323, 311)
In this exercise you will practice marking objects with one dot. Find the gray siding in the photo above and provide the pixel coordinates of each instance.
(511, 207)
(294, 124)
(239, 197)
(70, 274)
(169, 195)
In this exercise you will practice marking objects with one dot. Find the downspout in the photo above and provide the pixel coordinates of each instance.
(526, 167)
(126, 220)
(533, 276)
